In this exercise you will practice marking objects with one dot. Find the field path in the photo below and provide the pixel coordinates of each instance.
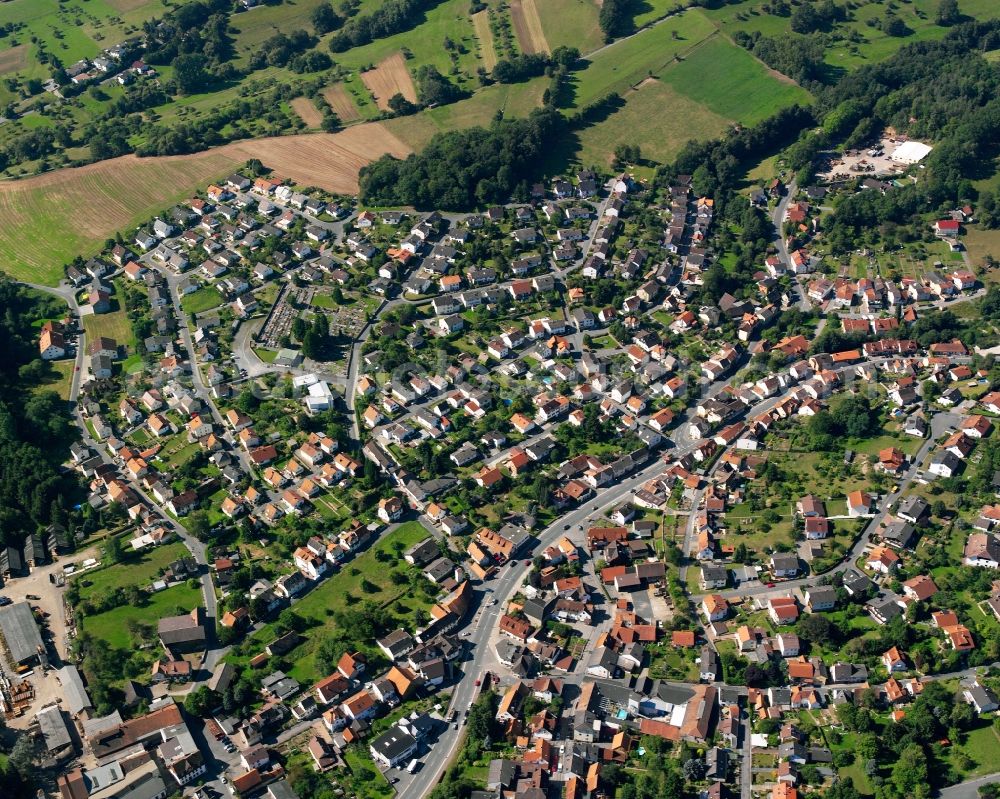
(390, 77)
(487, 50)
(528, 26)
(340, 101)
(47, 220)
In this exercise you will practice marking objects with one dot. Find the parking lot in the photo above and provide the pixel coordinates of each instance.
(865, 163)
(45, 597)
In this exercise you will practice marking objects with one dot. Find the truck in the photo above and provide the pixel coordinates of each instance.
(412, 766)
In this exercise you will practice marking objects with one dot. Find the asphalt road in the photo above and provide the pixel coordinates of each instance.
(970, 788)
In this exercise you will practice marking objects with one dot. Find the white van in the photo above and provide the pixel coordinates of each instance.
(412, 766)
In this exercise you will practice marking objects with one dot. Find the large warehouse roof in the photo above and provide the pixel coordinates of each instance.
(910, 152)
(17, 625)
(76, 694)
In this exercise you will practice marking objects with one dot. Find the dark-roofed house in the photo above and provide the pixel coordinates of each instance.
(396, 644)
(393, 747)
(856, 584)
(423, 552)
(184, 633)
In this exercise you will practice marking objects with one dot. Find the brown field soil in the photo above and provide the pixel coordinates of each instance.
(390, 77)
(528, 26)
(487, 52)
(47, 220)
(341, 103)
(307, 111)
(13, 58)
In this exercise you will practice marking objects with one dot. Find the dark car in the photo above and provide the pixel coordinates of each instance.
(5, 600)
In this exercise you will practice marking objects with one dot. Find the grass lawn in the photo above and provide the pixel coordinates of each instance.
(323, 301)
(139, 568)
(180, 455)
(871, 446)
(113, 325)
(204, 299)
(112, 627)
(982, 745)
(980, 243)
(673, 664)
(267, 356)
(344, 588)
(58, 379)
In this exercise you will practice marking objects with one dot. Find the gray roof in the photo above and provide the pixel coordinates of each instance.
(822, 593)
(856, 582)
(222, 677)
(17, 624)
(501, 772)
(149, 787)
(92, 727)
(55, 731)
(281, 790)
(394, 743)
(75, 693)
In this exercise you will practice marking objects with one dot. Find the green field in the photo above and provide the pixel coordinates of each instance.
(450, 20)
(331, 594)
(267, 356)
(252, 27)
(629, 61)
(570, 23)
(76, 210)
(641, 121)
(729, 81)
(112, 627)
(138, 569)
(697, 96)
(515, 100)
(868, 44)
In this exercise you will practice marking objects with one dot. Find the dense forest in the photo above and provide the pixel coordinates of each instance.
(35, 428)
(460, 170)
